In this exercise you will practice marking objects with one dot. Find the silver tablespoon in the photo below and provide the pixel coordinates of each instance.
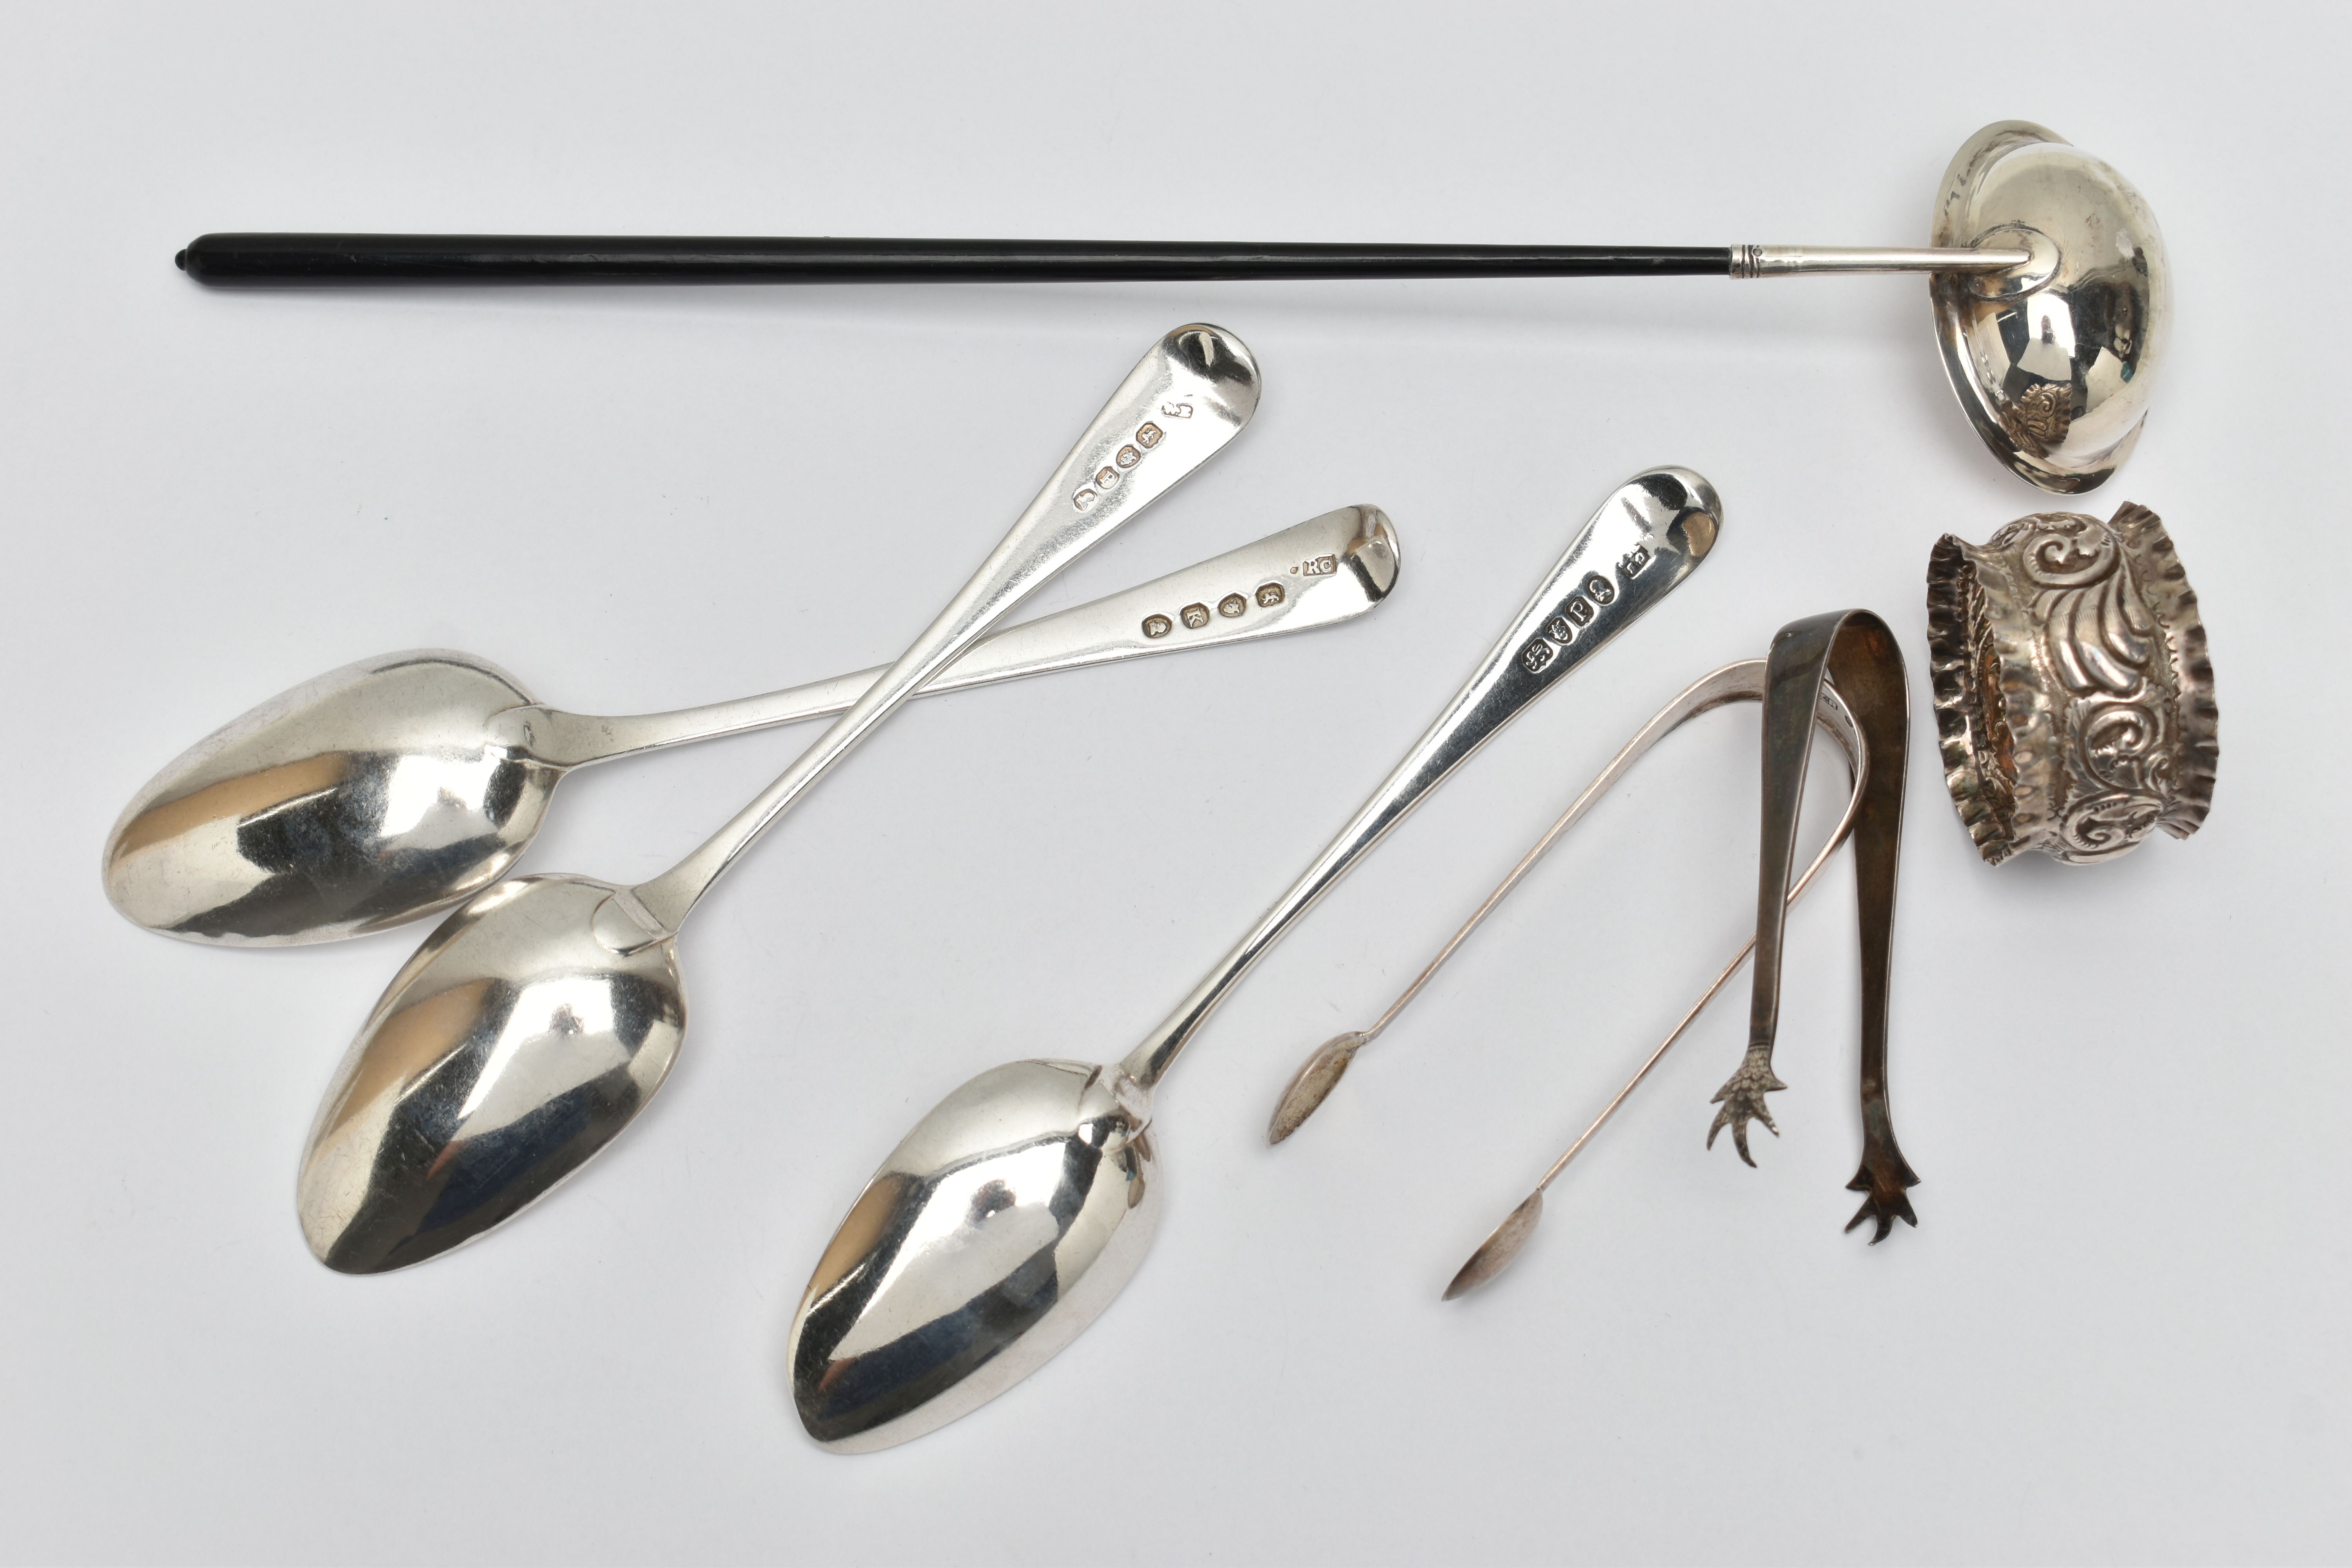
(541, 1017)
(1014, 1212)
(396, 786)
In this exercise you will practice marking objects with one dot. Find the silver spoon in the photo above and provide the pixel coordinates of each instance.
(541, 1015)
(1320, 1073)
(1016, 1210)
(398, 785)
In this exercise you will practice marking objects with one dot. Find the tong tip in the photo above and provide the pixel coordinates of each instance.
(1497, 1252)
(1884, 1179)
(1317, 1077)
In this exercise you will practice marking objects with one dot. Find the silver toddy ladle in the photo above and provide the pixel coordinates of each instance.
(399, 785)
(540, 1018)
(2051, 296)
(1014, 1212)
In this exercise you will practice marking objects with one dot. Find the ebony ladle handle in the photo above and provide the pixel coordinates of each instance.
(652, 258)
(365, 258)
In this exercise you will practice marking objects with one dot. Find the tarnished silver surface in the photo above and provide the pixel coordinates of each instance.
(2055, 361)
(544, 1013)
(394, 787)
(2073, 691)
(926, 1306)
(1322, 1070)
(1857, 651)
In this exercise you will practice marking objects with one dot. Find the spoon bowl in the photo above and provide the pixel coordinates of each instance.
(511, 1048)
(342, 806)
(996, 1231)
(540, 1018)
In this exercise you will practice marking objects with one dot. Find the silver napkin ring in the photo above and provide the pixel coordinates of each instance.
(2073, 694)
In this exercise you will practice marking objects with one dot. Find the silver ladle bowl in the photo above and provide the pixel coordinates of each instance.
(2054, 362)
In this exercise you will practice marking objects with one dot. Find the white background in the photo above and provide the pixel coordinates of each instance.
(2119, 1334)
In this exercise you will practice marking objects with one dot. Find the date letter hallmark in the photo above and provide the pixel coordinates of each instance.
(1321, 566)
(1195, 615)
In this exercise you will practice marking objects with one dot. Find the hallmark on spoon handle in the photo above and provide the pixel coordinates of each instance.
(1650, 534)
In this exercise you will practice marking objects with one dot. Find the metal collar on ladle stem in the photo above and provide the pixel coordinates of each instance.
(2052, 296)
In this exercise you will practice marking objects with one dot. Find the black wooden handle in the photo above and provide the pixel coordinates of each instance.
(638, 258)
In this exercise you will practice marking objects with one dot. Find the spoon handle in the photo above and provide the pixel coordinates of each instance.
(1183, 401)
(1647, 538)
(1318, 572)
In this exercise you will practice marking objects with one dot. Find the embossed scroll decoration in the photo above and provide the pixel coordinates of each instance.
(2074, 693)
